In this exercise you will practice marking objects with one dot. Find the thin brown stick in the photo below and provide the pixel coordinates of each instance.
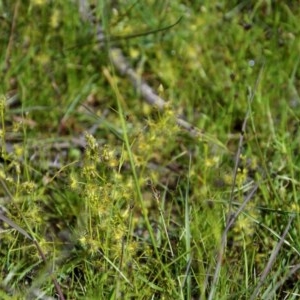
(229, 224)
(272, 259)
(282, 281)
(232, 217)
(241, 140)
(123, 68)
(55, 282)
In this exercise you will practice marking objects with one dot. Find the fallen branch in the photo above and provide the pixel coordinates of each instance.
(123, 67)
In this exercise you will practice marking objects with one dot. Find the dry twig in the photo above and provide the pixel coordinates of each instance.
(123, 67)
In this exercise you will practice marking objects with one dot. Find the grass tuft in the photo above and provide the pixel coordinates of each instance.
(149, 150)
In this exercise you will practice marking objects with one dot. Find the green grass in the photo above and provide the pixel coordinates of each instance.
(122, 202)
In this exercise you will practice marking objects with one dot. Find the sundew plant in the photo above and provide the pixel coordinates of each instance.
(149, 149)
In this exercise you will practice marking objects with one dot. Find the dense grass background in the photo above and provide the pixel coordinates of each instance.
(124, 203)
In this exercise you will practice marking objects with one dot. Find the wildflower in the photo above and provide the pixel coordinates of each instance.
(28, 186)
